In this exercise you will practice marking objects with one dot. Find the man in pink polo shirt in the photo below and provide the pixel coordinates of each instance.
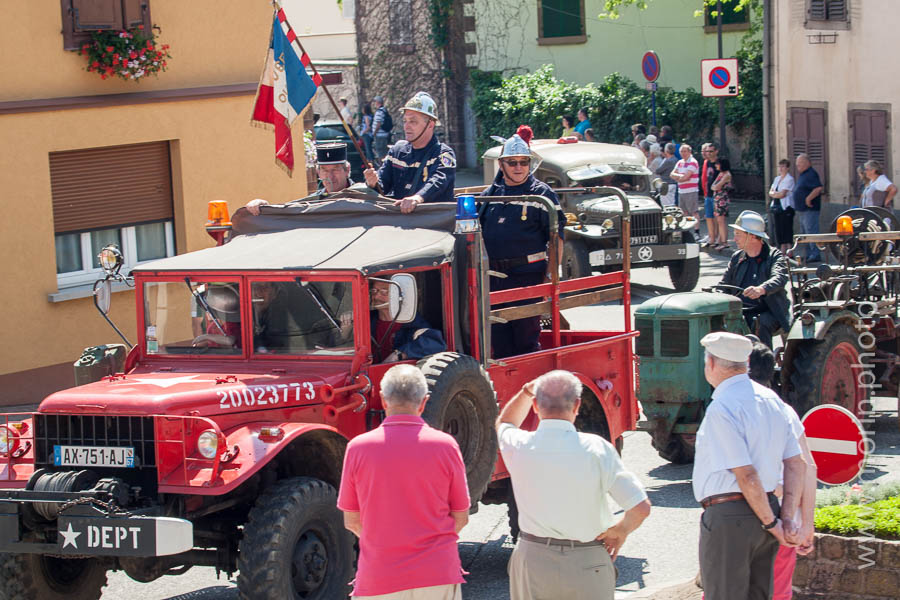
(404, 494)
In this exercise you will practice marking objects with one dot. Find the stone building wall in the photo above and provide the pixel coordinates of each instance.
(849, 568)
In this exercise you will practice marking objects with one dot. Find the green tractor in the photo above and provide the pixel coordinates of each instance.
(843, 344)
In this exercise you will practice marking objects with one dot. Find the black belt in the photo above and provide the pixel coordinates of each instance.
(557, 542)
(732, 497)
(505, 264)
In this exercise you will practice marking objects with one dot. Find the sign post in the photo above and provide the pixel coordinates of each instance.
(836, 440)
(650, 67)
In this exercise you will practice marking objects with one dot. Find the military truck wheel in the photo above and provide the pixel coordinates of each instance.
(822, 372)
(686, 273)
(295, 545)
(38, 577)
(576, 260)
(463, 404)
(675, 450)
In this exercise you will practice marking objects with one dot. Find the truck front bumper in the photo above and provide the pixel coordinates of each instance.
(645, 254)
(85, 530)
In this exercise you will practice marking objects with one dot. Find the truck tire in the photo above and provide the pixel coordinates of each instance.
(822, 372)
(576, 260)
(463, 403)
(686, 273)
(39, 577)
(295, 544)
(674, 449)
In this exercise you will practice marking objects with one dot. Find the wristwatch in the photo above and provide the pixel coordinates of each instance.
(770, 525)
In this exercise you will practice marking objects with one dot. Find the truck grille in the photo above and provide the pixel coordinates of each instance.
(93, 430)
(646, 224)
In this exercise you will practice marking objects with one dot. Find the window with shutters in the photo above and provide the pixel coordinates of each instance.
(400, 21)
(806, 130)
(561, 22)
(827, 14)
(115, 195)
(732, 19)
(81, 17)
(869, 140)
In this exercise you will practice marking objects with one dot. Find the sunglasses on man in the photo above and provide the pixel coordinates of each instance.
(517, 163)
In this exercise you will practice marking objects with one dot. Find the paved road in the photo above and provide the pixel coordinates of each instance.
(663, 550)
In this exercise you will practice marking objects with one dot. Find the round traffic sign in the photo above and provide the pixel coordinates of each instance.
(719, 77)
(836, 440)
(650, 66)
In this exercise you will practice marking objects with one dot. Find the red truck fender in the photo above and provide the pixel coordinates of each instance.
(602, 390)
(252, 446)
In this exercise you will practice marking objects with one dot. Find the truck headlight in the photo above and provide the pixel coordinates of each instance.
(208, 444)
(111, 259)
(608, 224)
(669, 220)
(9, 440)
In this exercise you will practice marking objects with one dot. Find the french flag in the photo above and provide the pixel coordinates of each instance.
(285, 89)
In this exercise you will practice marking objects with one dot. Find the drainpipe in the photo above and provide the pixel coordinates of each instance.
(766, 107)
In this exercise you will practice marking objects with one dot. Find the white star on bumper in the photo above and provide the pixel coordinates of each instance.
(70, 537)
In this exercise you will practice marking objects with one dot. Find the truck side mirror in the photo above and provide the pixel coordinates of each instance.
(660, 186)
(102, 295)
(403, 297)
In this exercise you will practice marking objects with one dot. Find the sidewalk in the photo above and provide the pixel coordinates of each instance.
(686, 590)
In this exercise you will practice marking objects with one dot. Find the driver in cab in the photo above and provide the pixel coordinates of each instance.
(393, 341)
(761, 273)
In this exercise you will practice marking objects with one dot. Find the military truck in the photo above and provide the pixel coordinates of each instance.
(220, 443)
(660, 236)
(843, 345)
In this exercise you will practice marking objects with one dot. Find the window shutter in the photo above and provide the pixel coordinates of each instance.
(561, 18)
(113, 186)
(806, 134)
(818, 10)
(134, 12)
(90, 15)
(869, 138)
(837, 10)
(400, 21)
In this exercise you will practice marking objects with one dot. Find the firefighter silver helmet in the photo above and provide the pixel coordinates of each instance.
(422, 103)
(515, 146)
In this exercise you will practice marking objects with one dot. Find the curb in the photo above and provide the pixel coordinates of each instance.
(648, 592)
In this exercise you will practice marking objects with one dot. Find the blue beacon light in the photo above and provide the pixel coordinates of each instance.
(466, 214)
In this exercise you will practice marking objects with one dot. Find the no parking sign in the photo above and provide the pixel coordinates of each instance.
(719, 77)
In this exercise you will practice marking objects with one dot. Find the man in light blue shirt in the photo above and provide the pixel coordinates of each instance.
(745, 443)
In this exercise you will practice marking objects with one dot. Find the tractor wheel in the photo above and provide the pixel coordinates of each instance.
(295, 545)
(463, 404)
(822, 372)
(576, 260)
(39, 577)
(686, 273)
(674, 449)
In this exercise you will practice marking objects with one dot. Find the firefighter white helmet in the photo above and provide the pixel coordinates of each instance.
(515, 146)
(421, 103)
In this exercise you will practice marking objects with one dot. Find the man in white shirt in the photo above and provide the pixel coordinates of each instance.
(345, 111)
(746, 442)
(560, 479)
(687, 175)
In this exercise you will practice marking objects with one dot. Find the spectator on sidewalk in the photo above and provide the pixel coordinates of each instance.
(781, 207)
(762, 371)
(654, 155)
(404, 493)
(665, 134)
(807, 201)
(708, 173)
(569, 538)
(664, 170)
(745, 446)
(583, 123)
(382, 124)
(366, 130)
(687, 176)
(589, 135)
(345, 111)
(721, 189)
(880, 191)
(568, 125)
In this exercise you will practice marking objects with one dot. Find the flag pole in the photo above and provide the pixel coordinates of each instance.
(350, 134)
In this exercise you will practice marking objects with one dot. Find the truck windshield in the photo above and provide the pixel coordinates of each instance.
(187, 317)
(626, 183)
(289, 317)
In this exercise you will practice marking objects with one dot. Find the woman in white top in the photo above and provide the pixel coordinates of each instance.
(655, 157)
(880, 192)
(780, 207)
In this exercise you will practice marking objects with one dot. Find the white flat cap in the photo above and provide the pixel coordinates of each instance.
(729, 346)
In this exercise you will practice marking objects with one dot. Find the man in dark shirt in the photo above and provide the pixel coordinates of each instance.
(516, 236)
(393, 341)
(419, 169)
(807, 198)
(761, 272)
(708, 174)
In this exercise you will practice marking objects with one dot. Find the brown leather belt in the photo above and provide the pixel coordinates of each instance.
(720, 499)
(557, 542)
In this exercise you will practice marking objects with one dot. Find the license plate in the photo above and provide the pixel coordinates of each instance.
(644, 239)
(93, 456)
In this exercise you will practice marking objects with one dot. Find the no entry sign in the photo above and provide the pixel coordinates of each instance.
(719, 77)
(835, 437)
(650, 66)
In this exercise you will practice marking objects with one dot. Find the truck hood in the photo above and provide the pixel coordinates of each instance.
(611, 206)
(147, 391)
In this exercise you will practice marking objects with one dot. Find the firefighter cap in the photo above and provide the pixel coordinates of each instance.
(331, 153)
(422, 103)
(515, 146)
(728, 346)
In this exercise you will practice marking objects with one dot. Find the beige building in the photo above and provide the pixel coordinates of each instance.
(88, 161)
(835, 85)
